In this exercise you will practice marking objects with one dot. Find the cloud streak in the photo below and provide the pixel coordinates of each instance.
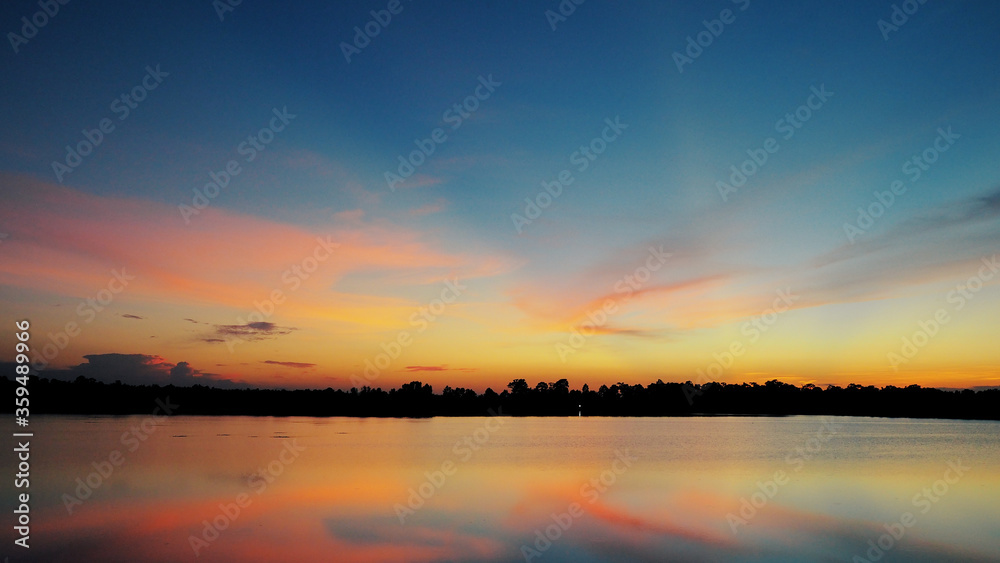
(260, 330)
(66, 241)
(971, 211)
(442, 367)
(297, 365)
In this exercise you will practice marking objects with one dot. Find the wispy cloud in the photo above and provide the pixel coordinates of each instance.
(297, 365)
(442, 367)
(261, 330)
(420, 181)
(428, 209)
(65, 240)
(962, 213)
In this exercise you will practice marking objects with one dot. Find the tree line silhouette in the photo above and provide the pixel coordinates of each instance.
(416, 399)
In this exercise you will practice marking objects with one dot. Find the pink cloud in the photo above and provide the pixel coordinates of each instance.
(428, 209)
(420, 181)
(67, 241)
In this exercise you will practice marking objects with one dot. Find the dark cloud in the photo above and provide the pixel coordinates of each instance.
(928, 247)
(973, 210)
(261, 330)
(298, 365)
(141, 369)
(127, 316)
(987, 205)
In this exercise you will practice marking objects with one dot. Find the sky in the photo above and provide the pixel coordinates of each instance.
(368, 193)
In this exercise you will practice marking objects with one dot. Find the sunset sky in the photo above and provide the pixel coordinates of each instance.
(307, 267)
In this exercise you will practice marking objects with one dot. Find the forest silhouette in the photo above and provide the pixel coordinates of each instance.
(416, 399)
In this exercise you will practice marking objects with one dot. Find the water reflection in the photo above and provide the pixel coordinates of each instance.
(476, 489)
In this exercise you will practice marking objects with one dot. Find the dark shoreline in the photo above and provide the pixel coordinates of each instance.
(417, 400)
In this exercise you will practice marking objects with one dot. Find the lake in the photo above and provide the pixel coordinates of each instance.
(141, 489)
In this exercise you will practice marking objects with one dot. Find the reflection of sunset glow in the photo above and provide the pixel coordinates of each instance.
(339, 496)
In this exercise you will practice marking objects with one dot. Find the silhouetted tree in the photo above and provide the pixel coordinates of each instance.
(416, 399)
(518, 387)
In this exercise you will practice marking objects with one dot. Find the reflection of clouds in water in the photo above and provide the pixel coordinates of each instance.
(787, 530)
(336, 504)
(608, 531)
(311, 524)
(690, 526)
(447, 537)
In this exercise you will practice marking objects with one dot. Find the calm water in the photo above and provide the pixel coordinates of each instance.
(511, 489)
